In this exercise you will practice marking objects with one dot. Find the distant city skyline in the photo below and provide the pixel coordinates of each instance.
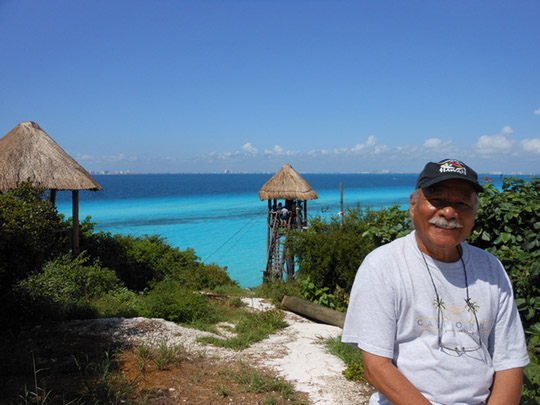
(160, 86)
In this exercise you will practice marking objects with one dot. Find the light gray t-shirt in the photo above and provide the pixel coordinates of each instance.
(394, 312)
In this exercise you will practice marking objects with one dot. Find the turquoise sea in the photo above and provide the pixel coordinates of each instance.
(220, 216)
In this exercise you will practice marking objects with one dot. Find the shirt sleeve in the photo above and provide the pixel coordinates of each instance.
(507, 340)
(370, 322)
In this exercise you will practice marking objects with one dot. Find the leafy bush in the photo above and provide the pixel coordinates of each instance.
(330, 253)
(507, 225)
(320, 295)
(138, 261)
(170, 300)
(387, 224)
(120, 302)
(65, 286)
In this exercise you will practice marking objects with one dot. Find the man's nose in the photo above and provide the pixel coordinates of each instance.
(448, 211)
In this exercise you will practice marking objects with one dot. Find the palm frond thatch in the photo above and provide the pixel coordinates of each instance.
(287, 184)
(27, 153)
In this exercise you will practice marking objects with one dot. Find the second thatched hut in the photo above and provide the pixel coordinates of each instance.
(289, 186)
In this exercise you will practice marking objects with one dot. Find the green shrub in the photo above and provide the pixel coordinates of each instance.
(507, 225)
(330, 253)
(65, 287)
(387, 224)
(319, 295)
(120, 302)
(170, 300)
(138, 261)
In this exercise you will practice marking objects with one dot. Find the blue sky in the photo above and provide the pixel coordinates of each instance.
(247, 86)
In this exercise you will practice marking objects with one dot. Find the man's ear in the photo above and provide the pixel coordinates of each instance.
(412, 205)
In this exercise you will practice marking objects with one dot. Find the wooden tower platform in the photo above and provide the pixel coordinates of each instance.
(289, 186)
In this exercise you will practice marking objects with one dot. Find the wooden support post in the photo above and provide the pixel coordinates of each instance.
(75, 234)
(268, 225)
(341, 213)
(53, 196)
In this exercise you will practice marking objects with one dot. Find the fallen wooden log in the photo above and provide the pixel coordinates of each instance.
(313, 311)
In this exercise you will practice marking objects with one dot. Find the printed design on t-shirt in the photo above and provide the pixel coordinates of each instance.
(455, 324)
(458, 326)
(454, 313)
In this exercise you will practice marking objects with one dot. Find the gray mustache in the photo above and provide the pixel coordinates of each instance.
(445, 223)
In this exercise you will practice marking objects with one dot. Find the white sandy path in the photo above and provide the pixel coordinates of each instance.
(296, 353)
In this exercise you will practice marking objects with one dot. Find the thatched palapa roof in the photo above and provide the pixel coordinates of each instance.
(287, 184)
(28, 153)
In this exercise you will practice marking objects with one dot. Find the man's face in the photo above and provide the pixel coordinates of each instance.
(443, 216)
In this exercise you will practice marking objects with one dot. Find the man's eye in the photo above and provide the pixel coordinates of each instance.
(436, 202)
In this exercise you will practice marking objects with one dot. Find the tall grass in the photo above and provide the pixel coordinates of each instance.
(352, 357)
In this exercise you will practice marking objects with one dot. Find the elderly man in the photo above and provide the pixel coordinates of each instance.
(434, 317)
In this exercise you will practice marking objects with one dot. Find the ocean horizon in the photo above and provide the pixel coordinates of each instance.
(220, 215)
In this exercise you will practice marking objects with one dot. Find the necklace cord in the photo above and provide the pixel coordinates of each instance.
(467, 300)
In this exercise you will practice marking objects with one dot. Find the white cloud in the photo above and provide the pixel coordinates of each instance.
(221, 156)
(531, 145)
(493, 144)
(370, 146)
(278, 150)
(507, 130)
(249, 148)
(84, 157)
(537, 111)
(115, 158)
(433, 143)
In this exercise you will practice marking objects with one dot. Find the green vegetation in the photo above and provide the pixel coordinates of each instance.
(508, 225)
(255, 381)
(115, 275)
(28, 239)
(350, 355)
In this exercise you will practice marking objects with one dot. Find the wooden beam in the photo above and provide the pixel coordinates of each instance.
(313, 311)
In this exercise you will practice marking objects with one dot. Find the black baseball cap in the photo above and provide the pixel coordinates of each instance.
(448, 169)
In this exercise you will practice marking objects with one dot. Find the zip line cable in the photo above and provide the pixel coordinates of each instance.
(255, 216)
(238, 240)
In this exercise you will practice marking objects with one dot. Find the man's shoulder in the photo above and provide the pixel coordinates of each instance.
(479, 253)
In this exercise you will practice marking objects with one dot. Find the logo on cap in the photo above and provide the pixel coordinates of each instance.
(453, 166)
